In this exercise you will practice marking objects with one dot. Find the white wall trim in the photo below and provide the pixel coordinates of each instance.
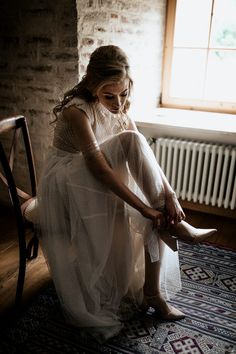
(198, 125)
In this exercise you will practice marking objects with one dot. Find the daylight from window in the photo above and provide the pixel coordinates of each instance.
(204, 53)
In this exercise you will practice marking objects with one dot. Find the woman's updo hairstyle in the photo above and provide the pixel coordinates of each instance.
(108, 64)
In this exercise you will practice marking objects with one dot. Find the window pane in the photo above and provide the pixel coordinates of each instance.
(188, 69)
(221, 76)
(192, 23)
(223, 33)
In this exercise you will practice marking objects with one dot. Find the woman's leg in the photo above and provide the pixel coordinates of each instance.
(152, 289)
(152, 272)
(148, 176)
(130, 148)
(143, 167)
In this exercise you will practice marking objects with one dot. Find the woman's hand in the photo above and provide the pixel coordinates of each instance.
(174, 211)
(157, 217)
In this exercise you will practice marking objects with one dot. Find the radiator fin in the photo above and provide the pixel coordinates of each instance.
(199, 172)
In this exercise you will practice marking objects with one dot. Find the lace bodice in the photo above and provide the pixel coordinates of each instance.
(103, 122)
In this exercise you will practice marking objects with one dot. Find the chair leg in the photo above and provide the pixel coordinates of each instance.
(32, 248)
(21, 272)
(20, 282)
(25, 252)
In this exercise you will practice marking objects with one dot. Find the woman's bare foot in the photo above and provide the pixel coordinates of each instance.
(165, 310)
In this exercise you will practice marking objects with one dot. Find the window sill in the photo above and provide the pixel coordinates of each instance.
(187, 124)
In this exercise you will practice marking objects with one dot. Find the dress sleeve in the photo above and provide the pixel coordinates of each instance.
(84, 106)
(131, 123)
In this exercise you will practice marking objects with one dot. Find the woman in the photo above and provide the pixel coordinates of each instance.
(107, 211)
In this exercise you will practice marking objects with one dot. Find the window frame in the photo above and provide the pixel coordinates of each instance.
(181, 103)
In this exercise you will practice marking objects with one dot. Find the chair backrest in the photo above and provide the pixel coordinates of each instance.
(16, 125)
(10, 129)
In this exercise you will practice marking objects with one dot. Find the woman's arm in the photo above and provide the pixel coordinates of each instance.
(100, 168)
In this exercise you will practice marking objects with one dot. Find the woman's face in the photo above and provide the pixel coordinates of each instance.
(114, 96)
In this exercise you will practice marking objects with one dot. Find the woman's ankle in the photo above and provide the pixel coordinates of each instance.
(150, 294)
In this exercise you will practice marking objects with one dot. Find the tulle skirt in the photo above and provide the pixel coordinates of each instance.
(93, 241)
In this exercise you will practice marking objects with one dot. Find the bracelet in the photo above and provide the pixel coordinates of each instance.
(172, 195)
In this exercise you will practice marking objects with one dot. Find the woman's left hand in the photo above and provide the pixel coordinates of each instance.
(174, 211)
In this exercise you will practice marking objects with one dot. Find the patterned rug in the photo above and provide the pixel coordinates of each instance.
(208, 298)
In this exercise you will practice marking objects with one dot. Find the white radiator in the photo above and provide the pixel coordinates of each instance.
(199, 172)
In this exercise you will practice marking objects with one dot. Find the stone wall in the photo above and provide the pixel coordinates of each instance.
(136, 26)
(45, 44)
(38, 62)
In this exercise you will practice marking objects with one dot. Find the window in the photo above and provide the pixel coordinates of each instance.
(200, 55)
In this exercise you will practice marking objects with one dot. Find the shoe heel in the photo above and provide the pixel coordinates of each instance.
(170, 241)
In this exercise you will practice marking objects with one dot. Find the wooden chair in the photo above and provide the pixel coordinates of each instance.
(14, 127)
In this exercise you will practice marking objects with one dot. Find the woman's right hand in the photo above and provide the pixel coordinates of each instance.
(157, 217)
(174, 211)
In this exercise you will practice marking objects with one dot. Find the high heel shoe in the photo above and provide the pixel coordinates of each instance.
(169, 240)
(190, 234)
(29, 210)
(164, 310)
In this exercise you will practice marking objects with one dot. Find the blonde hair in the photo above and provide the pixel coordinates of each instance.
(107, 64)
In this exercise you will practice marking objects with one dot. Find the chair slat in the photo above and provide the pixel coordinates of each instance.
(10, 123)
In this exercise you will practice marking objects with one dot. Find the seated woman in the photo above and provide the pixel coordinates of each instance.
(107, 211)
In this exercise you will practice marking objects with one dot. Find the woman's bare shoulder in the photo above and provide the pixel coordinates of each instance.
(73, 112)
(77, 108)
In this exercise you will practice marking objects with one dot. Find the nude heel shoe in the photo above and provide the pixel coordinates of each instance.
(29, 210)
(164, 310)
(169, 240)
(190, 234)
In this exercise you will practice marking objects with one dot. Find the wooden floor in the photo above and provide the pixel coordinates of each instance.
(37, 275)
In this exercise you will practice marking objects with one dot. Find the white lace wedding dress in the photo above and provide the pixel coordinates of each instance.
(93, 241)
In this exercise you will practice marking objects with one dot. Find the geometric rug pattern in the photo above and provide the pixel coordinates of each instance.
(208, 297)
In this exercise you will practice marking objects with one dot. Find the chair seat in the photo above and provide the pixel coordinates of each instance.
(30, 210)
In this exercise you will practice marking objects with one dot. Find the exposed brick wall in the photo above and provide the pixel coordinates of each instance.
(39, 56)
(38, 62)
(136, 26)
